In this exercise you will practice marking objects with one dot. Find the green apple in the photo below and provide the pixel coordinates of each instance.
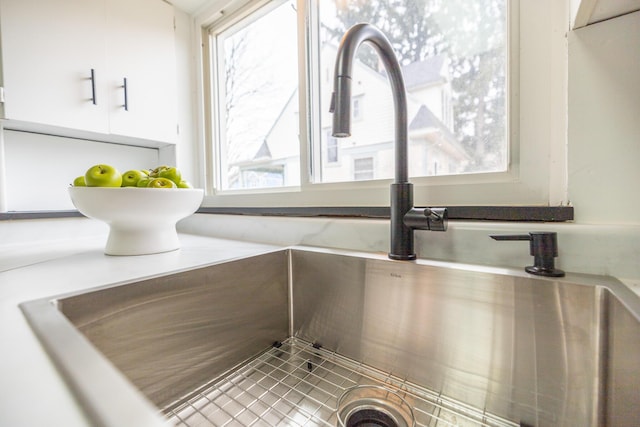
(184, 184)
(161, 183)
(155, 173)
(79, 182)
(171, 173)
(143, 182)
(131, 178)
(103, 176)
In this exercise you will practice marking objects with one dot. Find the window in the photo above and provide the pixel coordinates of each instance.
(442, 48)
(486, 93)
(356, 107)
(363, 169)
(332, 147)
(257, 99)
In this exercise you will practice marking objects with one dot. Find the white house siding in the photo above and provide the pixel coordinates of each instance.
(283, 142)
(377, 125)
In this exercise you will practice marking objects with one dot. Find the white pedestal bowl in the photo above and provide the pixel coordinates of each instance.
(141, 220)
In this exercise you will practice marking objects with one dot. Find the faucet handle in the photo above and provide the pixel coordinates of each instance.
(544, 248)
(434, 219)
(437, 218)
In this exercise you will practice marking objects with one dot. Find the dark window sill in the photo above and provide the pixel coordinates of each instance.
(38, 214)
(460, 213)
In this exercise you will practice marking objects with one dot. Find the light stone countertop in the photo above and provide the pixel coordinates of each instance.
(33, 392)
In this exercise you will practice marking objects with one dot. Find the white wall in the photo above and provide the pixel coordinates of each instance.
(188, 157)
(604, 122)
(40, 168)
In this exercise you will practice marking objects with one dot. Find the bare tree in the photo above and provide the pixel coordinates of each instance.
(244, 83)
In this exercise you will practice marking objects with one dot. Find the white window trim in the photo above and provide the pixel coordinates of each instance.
(538, 106)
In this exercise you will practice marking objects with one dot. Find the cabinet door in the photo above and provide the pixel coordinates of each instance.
(141, 49)
(48, 51)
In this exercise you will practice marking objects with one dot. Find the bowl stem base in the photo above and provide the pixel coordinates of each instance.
(125, 241)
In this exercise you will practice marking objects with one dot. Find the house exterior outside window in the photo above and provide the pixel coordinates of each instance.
(463, 92)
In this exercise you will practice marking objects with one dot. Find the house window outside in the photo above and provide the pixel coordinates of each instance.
(261, 177)
(257, 99)
(332, 148)
(363, 169)
(356, 108)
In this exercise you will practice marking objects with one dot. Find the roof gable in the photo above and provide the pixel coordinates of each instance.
(424, 73)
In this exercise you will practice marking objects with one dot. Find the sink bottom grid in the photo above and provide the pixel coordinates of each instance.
(294, 383)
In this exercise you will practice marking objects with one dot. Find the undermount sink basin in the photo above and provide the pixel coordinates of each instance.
(520, 349)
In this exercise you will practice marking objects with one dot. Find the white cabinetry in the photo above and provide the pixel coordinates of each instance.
(140, 49)
(50, 49)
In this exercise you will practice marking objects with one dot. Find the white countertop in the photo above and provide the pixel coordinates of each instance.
(33, 392)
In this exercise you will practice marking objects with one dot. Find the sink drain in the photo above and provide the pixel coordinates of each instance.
(370, 417)
(373, 406)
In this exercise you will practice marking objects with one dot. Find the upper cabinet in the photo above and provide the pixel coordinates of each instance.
(586, 12)
(141, 88)
(48, 51)
(101, 69)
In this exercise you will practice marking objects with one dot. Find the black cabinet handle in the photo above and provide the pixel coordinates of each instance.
(93, 87)
(126, 95)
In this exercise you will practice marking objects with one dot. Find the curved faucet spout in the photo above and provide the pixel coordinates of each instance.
(341, 98)
(404, 217)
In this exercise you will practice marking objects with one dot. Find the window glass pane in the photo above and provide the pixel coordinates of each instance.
(257, 87)
(453, 58)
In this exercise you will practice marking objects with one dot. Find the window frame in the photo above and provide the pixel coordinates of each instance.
(537, 123)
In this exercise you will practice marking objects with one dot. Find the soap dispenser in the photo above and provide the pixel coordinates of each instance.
(544, 248)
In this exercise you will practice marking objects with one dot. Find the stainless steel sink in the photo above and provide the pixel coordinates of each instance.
(467, 345)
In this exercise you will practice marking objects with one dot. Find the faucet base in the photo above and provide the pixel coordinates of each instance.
(543, 271)
(401, 234)
(409, 257)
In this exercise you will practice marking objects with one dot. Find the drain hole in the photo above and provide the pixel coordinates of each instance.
(370, 418)
(373, 406)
